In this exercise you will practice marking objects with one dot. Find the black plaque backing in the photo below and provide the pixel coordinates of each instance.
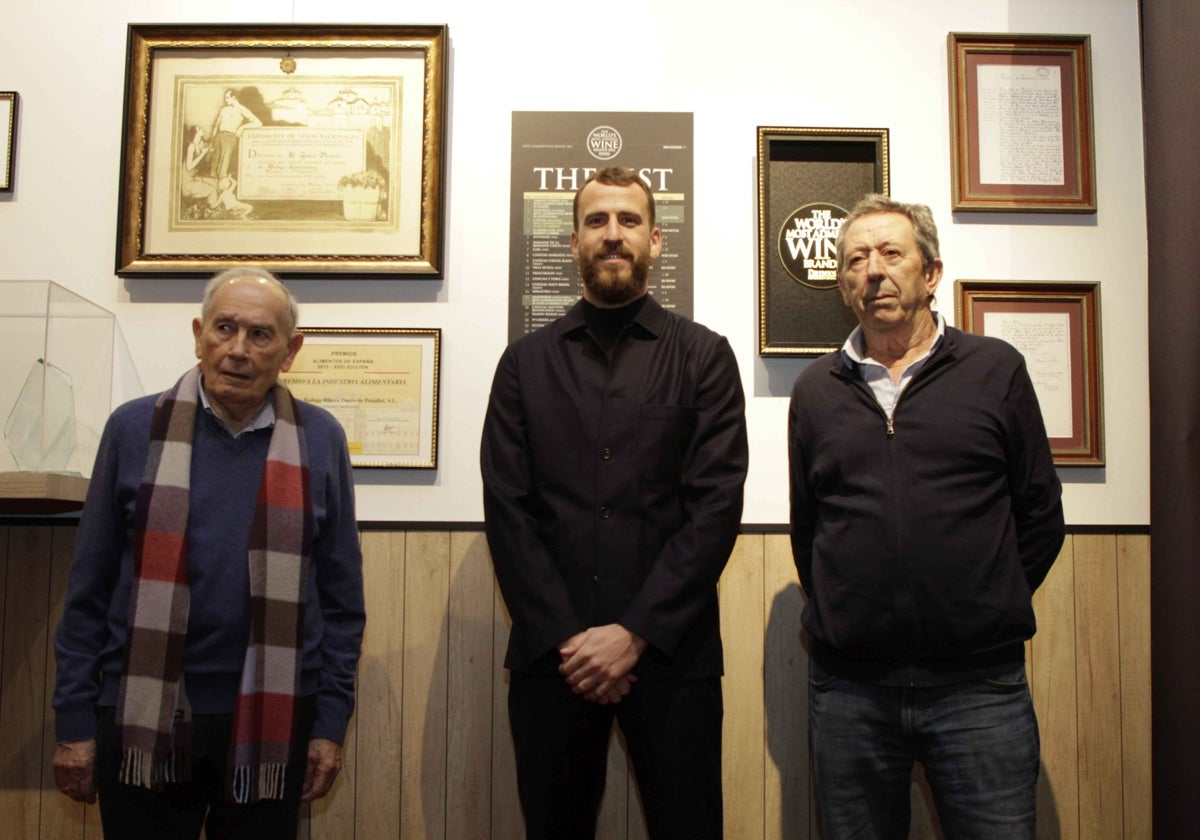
(799, 167)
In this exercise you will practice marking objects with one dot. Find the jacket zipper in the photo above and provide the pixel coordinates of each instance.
(932, 364)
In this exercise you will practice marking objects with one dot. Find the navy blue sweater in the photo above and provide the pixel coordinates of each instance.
(226, 475)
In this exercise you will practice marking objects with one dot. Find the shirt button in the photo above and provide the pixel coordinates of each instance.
(606, 454)
(595, 578)
(605, 512)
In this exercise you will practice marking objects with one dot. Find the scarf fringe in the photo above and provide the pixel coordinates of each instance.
(270, 782)
(139, 768)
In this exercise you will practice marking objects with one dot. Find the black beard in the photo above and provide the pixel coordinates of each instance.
(615, 291)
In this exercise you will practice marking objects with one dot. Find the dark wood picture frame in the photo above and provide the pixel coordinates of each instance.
(808, 179)
(1021, 134)
(1059, 325)
(327, 160)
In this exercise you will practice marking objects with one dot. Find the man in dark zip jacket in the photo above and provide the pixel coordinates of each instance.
(925, 510)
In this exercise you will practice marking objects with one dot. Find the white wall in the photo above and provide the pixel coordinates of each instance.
(837, 63)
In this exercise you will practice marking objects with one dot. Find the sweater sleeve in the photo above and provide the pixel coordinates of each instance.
(802, 509)
(337, 564)
(1033, 482)
(82, 632)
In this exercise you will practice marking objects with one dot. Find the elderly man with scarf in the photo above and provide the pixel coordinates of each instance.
(214, 614)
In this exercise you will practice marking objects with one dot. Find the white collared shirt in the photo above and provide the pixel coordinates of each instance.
(876, 375)
(265, 418)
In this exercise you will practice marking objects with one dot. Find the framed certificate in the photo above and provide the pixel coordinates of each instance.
(303, 149)
(1056, 326)
(381, 385)
(1021, 123)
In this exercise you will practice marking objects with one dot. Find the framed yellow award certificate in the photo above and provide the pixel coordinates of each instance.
(381, 385)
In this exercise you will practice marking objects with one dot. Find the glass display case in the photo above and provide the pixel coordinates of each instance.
(56, 369)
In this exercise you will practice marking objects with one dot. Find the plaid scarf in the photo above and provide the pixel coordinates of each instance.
(153, 728)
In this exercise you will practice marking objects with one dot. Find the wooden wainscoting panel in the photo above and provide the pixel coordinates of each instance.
(60, 817)
(429, 755)
(23, 676)
(743, 617)
(1101, 807)
(426, 657)
(1133, 588)
(507, 820)
(4, 537)
(787, 799)
(471, 683)
(1053, 682)
(368, 801)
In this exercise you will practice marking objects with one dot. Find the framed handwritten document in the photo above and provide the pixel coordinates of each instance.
(1056, 326)
(1021, 123)
(381, 385)
(304, 149)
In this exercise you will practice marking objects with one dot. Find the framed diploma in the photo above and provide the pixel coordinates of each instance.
(1021, 123)
(8, 138)
(381, 385)
(1056, 326)
(304, 149)
(808, 180)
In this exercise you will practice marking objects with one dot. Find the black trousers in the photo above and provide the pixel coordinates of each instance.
(672, 729)
(180, 810)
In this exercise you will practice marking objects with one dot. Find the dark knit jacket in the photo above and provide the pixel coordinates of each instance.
(612, 487)
(919, 545)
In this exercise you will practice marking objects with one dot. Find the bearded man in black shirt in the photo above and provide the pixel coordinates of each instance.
(613, 458)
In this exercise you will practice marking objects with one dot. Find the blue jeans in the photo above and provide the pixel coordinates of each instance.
(978, 743)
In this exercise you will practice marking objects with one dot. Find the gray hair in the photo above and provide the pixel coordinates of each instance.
(292, 318)
(921, 217)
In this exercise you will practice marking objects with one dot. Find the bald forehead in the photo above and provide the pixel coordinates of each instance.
(262, 291)
(253, 280)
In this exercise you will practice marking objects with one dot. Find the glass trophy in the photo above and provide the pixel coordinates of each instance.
(40, 431)
(56, 376)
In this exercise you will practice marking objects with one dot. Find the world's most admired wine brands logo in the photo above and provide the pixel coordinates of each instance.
(604, 142)
(808, 244)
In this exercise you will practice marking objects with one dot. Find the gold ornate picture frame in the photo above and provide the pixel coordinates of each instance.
(304, 149)
(808, 180)
(381, 384)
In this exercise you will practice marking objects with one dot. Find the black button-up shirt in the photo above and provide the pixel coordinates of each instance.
(613, 487)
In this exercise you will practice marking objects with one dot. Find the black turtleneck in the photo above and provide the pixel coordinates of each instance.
(605, 325)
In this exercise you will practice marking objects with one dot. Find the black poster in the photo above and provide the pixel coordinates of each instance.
(553, 153)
